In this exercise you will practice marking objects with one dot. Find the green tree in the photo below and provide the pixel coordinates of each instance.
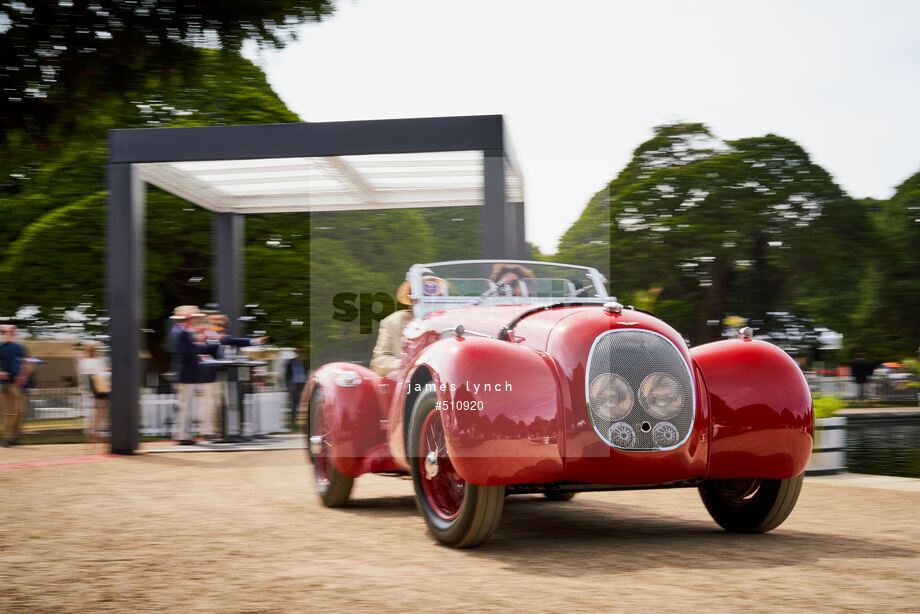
(32, 272)
(707, 228)
(75, 70)
(458, 232)
(61, 59)
(58, 261)
(888, 326)
(52, 242)
(373, 250)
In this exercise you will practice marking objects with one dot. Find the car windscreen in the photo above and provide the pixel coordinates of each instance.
(507, 279)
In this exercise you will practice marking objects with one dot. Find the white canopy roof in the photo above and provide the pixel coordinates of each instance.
(282, 185)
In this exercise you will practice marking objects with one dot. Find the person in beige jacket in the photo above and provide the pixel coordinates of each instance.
(387, 355)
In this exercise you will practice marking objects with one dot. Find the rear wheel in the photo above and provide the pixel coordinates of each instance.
(751, 505)
(333, 487)
(458, 514)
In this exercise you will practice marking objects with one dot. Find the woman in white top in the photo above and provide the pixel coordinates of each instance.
(94, 375)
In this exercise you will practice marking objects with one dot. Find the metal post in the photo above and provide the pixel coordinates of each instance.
(493, 195)
(125, 301)
(229, 234)
(514, 231)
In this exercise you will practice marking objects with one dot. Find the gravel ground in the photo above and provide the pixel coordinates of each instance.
(243, 532)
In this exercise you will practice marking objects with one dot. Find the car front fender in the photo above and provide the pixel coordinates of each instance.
(500, 406)
(762, 413)
(353, 411)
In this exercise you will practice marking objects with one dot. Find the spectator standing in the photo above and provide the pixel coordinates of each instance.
(95, 376)
(15, 369)
(186, 343)
(212, 391)
(860, 369)
(214, 378)
(295, 378)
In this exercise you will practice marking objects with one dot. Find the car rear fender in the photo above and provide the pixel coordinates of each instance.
(354, 409)
(762, 413)
(500, 406)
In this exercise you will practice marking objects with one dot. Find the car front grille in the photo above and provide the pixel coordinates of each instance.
(659, 413)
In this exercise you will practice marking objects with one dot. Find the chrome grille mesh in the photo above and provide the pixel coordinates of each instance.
(635, 355)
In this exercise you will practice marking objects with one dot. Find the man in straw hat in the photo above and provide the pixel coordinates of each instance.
(185, 366)
(387, 355)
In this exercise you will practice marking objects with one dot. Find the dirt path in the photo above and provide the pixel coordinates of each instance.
(243, 532)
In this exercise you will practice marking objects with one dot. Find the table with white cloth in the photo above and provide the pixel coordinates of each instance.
(239, 376)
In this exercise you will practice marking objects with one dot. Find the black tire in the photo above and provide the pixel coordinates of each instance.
(481, 507)
(557, 495)
(751, 505)
(333, 487)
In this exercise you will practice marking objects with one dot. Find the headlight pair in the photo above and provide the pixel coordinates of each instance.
(612, 398)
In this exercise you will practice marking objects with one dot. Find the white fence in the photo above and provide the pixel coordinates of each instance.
(157, 413)
(53, 404)
(265, 410)
(264, 413)
(877, 388)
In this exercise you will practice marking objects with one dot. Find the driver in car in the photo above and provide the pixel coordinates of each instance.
(511, 279)
(387, 355)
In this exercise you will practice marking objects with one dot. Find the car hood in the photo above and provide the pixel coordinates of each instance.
(490, 320)
(563, 329)
(570, 332)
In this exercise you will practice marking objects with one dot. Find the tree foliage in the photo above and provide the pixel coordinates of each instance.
(694, 227)
(61, 59)
(888, 326)
(699, 228)
(381, 246)
(32, 267)
(52, 244)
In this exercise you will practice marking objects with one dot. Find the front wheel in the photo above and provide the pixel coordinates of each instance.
(751, 505)
(333, 487)
(458, 514)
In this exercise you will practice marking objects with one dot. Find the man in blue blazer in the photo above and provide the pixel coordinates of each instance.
(186, 343)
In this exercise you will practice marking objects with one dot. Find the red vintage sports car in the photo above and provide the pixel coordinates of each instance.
(538, 381)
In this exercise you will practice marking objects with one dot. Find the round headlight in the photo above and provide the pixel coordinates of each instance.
(610, 397)
(661, 395)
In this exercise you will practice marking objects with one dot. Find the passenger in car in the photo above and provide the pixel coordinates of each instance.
(387, 355)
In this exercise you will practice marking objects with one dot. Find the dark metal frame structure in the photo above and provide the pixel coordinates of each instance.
(503, 222)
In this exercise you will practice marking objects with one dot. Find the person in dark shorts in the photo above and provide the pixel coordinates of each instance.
(15, 369)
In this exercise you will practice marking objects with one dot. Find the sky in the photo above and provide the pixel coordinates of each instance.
(581, 83)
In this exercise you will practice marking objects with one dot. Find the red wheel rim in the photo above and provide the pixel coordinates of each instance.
(321, 460)
(445, 490)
